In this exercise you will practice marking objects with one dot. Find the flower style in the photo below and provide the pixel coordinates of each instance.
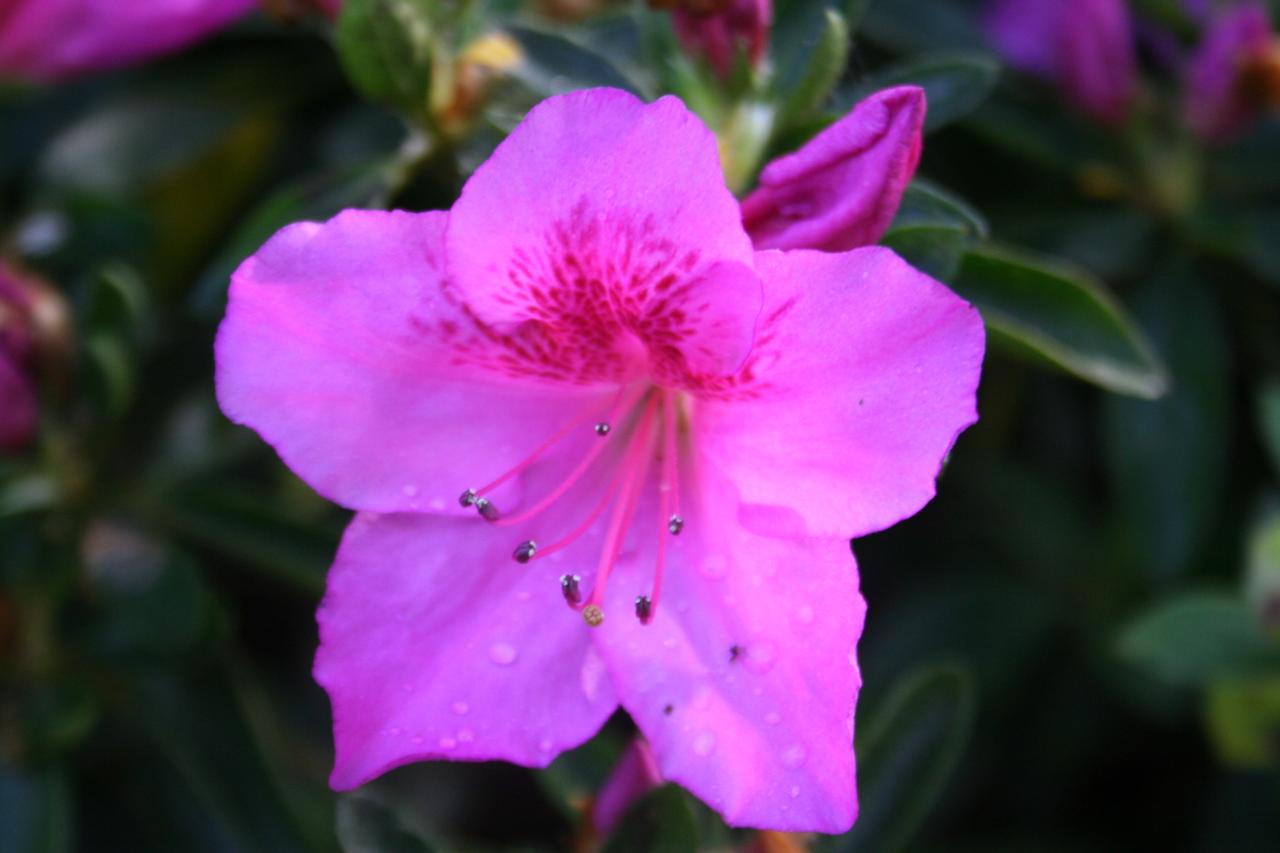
(1227, 75)
(605, 453)
(50, 40)
(1085, 46)
(842, 189)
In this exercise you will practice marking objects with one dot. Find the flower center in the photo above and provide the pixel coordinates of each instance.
(647, 420)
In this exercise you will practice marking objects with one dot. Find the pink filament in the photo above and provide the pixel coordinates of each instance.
(635, 470)
(668, 497)
(553, 440)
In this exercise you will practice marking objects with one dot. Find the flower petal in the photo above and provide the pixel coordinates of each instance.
(635, 775)
(434, 643)
(841, 190)
(17, 405)
(865, 373)
(744, 682)
(607, 222)
(340, 348)
(1215, 105)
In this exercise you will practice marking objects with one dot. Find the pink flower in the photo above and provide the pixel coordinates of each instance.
(644, 417)
(17, 350)
(1218, 103)
(1085, 46)
(842, 189)
(722, 30)
(47, 40)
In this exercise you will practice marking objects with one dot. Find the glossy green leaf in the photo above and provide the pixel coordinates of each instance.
(1054, 314)
(554, 63)
(367, 826)
(907, 751)
(661, 820)
(1168, 458)
(1195, 638)
(35, 809)
(1269, 419)
(933, 229)
(824, 66)
(955, 84)
(386, 49)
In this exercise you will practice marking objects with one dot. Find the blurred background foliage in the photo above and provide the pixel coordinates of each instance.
(1076, 646)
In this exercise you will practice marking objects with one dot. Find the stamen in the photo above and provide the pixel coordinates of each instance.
(467, 498)
(592, 615)
(635, 470)
(487, 510)
(644, 609)
(668, 498)
(674, 525)
(582, 528)
(525, 550)
(602, 429)
(569, 587)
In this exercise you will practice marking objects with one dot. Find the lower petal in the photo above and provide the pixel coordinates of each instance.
(435, 644)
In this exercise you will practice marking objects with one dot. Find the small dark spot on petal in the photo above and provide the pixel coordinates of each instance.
(735, 652)
(667, 709)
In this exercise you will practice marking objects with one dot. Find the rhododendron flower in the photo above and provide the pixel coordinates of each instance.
(1085, 46)
(17, 349)
(1222, 97)
(842, 189)
(605, 453)
(720, 31)
(47, 40)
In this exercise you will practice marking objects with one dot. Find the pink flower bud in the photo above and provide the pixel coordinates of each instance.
(1225, 85)
(842, 189)
(718, 31)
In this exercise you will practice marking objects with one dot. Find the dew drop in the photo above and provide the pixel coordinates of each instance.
(466, 735)
(805, 614)
(773, 718)
(761, 656)
(410, 491)
(795, 791)
(704, 744)
(461, 708)
(447, 743)
(503, 654)
(794, 756)
(546, 745)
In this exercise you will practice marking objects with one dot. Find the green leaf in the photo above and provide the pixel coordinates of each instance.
(386, 48)
(1244, 722)
(1262, 570)
(917, 25)
(907, 752)
(554, 63)
(933, 229)
(1054, 314)
(661, 820)
(1195, 638)
(955, 84)
(35, 809)
(826, 62)
(1168, 458)
(1269, 419)
(367, 826)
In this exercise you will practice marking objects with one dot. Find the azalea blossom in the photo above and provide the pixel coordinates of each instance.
(49, 40)
(720, 31)
(1233, 74)
(605, 453)
(842, 189)
(1086, 47)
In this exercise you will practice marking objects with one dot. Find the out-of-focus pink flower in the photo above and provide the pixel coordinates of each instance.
(645, 417)
(842, 189)
(17, 352)
(48, 40)
(721, 30)
(635, 775)
(1219, 99)
(1085, 46)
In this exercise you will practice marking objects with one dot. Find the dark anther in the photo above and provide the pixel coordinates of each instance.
(467, 498)
(644, 609)
(487, 510)
(735, 652)
(569, 586)
(667, 709)
(525, 550)
(602, 429)
(675, 525)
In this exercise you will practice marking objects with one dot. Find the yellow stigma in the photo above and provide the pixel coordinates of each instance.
(592, 615)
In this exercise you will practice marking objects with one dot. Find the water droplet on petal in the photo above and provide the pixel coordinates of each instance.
(794, 756)
(503, 654)
(461, 708)
(704, 744)
(761, 657)
(447, 743)
(805, 614)
(773, 718)
(410, 491)
(466, 735)
(546, 745)
(795, 791)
